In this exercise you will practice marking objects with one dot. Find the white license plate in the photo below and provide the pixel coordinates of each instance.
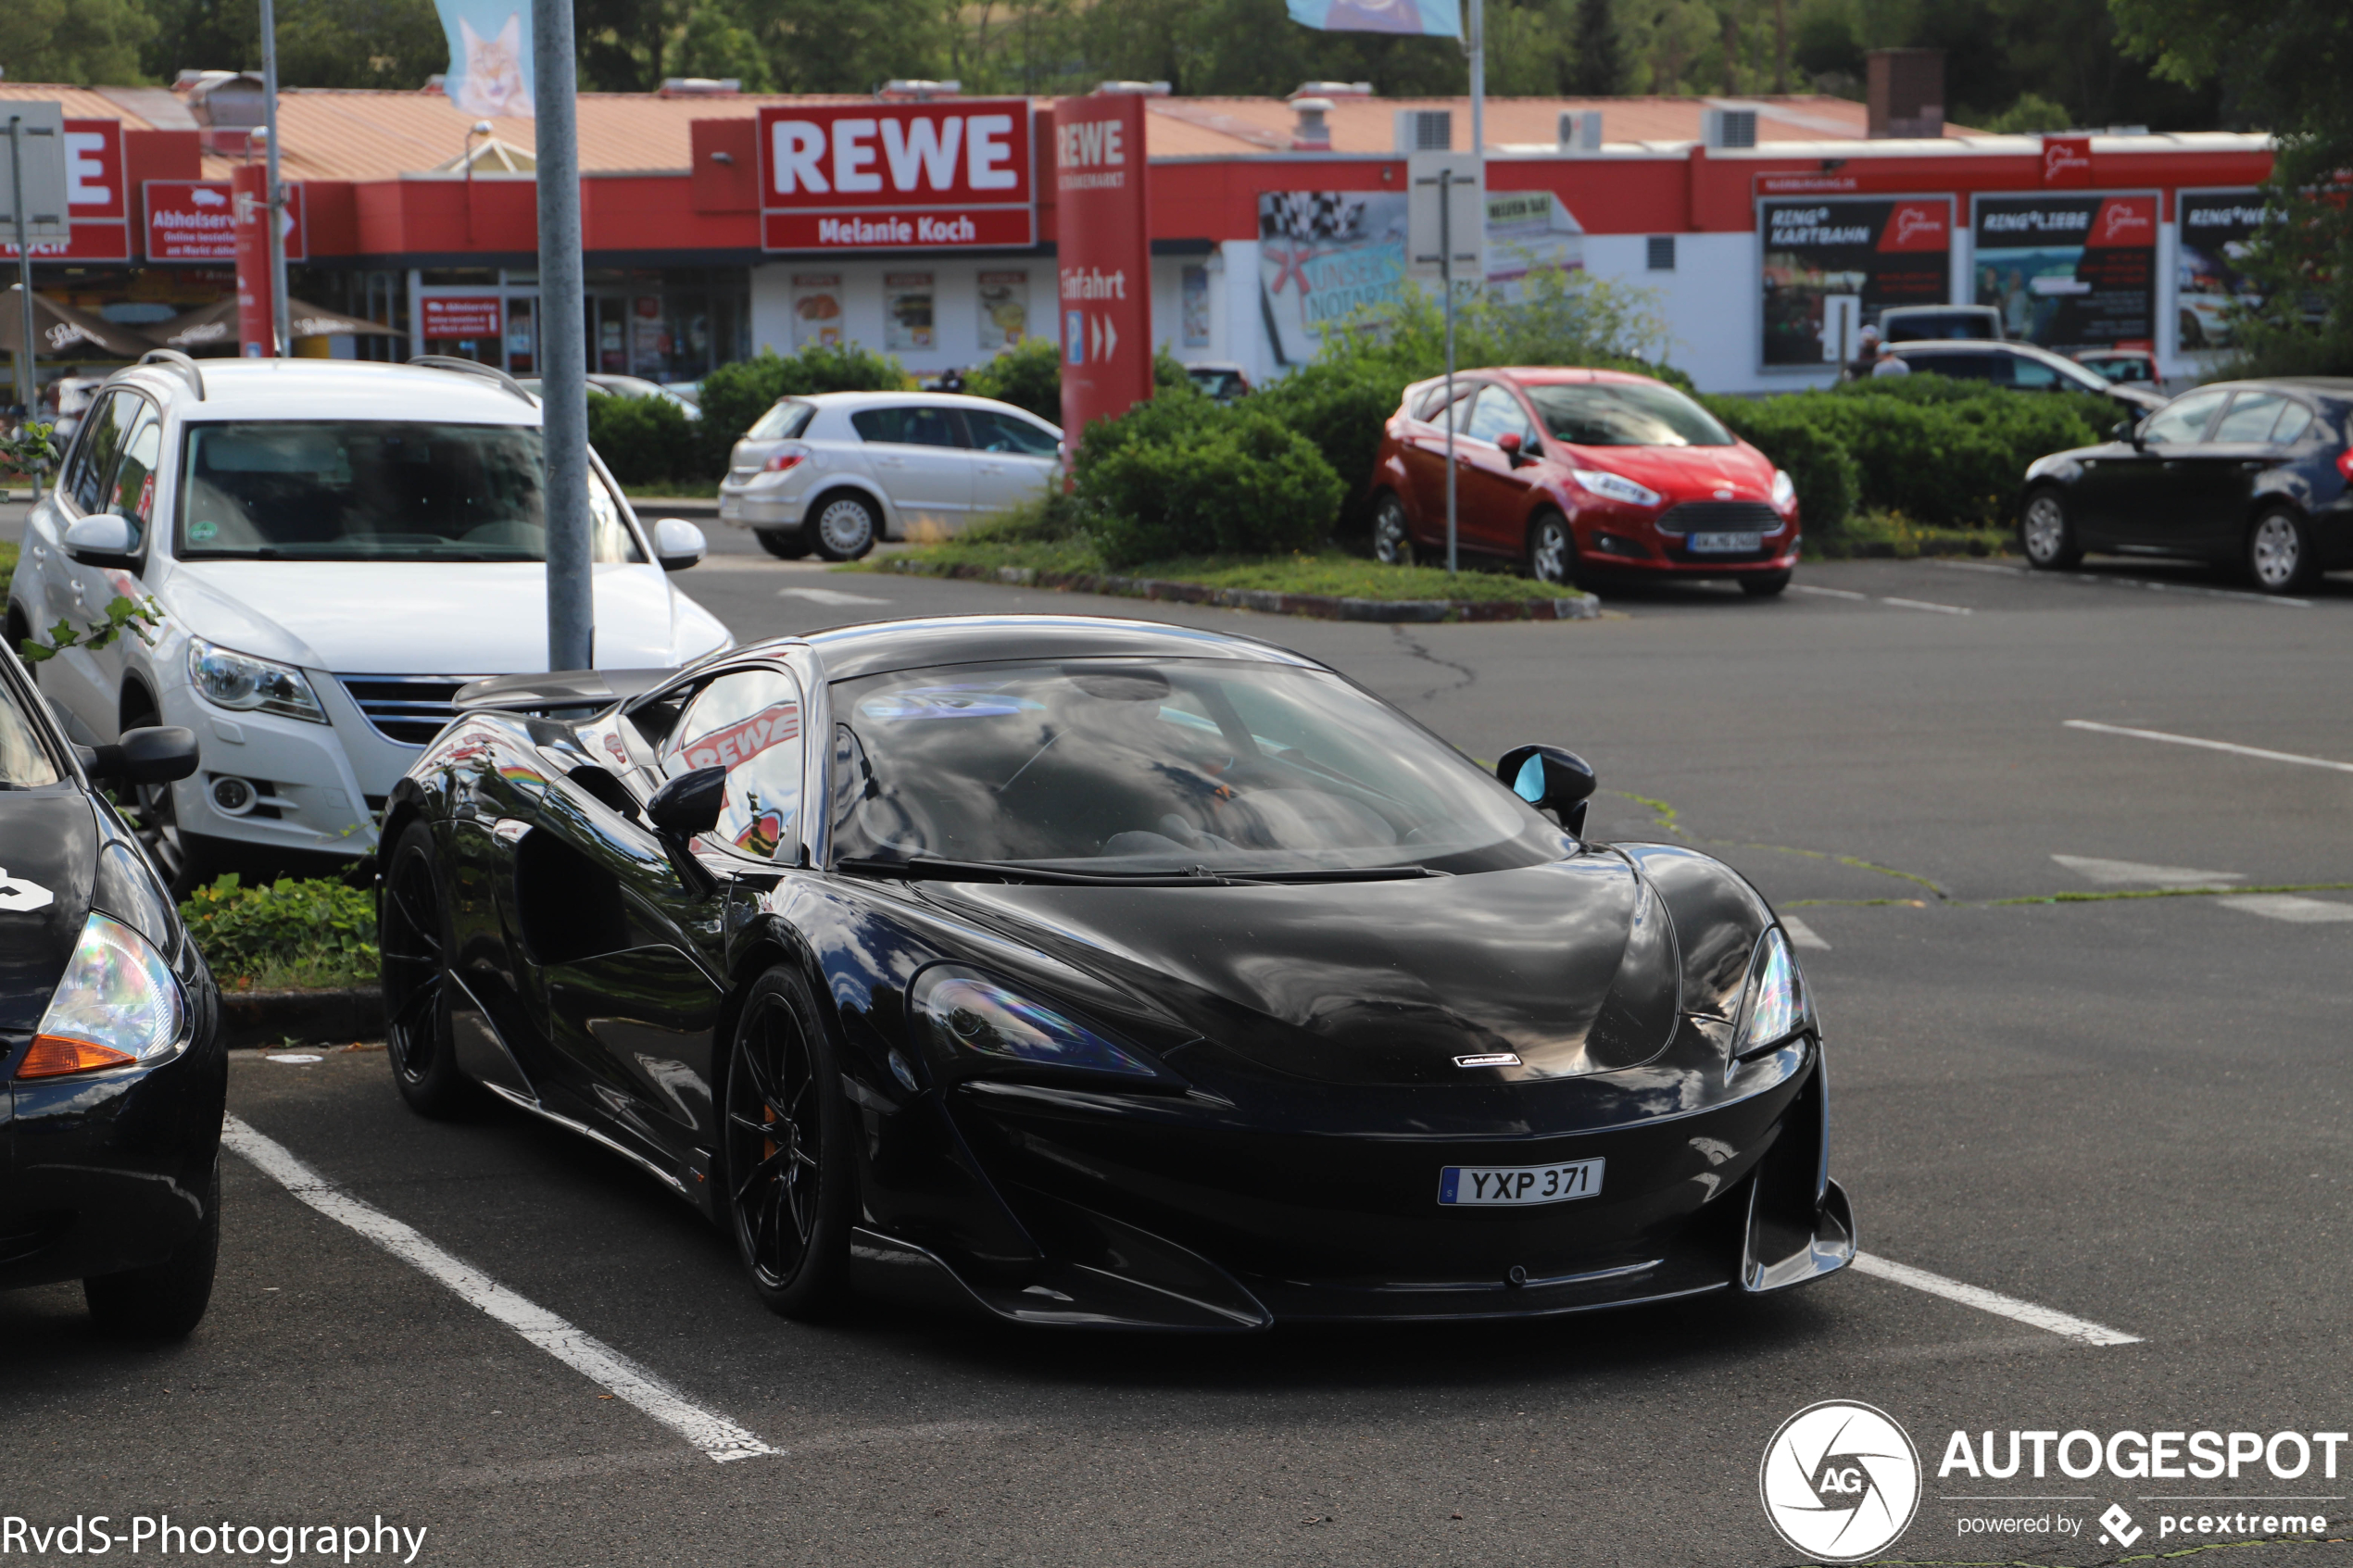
(1725, 543)
(1489, 1185)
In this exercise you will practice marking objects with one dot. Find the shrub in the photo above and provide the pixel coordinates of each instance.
(313, 932)
(1341, 407)
(1182, 475)
(642, 440)
(734, 395)
(1829, 481)
(1028, 375)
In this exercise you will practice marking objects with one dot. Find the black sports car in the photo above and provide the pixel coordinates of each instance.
(110, 1129)
(1106, 974)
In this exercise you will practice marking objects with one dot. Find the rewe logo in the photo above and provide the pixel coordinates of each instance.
(1090, 143)
(1840, 1481)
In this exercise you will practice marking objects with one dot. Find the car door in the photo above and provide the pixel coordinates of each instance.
(1496, 493)
(919, 455)
(1013, 458)
(1425, 452)
(72, 592)
(2216, 477)
(129, 493)
(2121, 495)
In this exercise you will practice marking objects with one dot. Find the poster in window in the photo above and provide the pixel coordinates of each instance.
(2069, 272)
(1192, 292)
(1325, 259)
(1529, 232)
(1004, 311)
(816, 309)
(1831, 265)
(908, 312)
(2216, 227)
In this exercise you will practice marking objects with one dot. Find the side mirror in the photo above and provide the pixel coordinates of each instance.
(1510, 441)
(678, 543)
(684, 806)
(1548, 776)
(101, 539)
(151, 756)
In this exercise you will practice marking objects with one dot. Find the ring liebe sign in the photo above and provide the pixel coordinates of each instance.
(940, 176)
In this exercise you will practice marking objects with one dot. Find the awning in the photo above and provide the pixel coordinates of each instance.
(217, 324)
(61, 332)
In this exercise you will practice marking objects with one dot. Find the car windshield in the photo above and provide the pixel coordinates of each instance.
(1120, 767)
(365, 490)
(24, 761)
(1625, 414)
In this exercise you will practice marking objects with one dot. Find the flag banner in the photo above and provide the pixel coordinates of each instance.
(1432, 18)
(489, 56)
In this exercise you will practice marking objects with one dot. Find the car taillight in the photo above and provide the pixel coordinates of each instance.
(2345, 464)
(783, 460)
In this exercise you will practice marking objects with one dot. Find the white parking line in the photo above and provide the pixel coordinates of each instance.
(2235, 750)
(1883, 598)
(2093, 577)
(829, 596)
(2288, 907)
(1994, 1301)
(1802, 934)
(2133, 874)
(716, 1435)
(1828, 592)
(1929, 604)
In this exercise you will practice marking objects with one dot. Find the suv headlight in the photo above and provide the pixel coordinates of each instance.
(118, 1004)
(1775, 1007)
(967, 1019)
(1784, 490)
(1615, 487)
(243, 684)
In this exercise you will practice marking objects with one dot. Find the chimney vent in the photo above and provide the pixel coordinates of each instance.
(1905, 92)
(1425, 130)
(1313, 131)
(1581, 132)
(1729, 127)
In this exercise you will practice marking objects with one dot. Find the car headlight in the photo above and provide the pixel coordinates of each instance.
(118, 1003)
(1784, 490)
(1774, 1006)
(970, 1019)
(243, 684)
(1615, 487)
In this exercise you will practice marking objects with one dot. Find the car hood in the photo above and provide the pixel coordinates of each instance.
(48, 854)
(1568, 966)
(421, 618)
(1682, 473)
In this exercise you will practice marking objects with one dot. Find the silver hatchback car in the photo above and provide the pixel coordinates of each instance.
(839, 470)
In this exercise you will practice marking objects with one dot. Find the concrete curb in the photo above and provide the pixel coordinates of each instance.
(1267, 601)
(252, 1019)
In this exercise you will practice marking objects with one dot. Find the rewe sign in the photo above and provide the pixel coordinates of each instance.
(1103, 257)
(870, 176)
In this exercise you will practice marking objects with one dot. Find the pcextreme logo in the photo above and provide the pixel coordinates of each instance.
(1840, 1481)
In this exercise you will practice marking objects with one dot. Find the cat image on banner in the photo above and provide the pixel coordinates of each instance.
(490, 65)
(1432, 18)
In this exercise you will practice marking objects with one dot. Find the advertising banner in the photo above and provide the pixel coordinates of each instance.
(98, 201)
(1323, 257)
(955, 175)
(1833, 265)
(1103, 269)
(1431, 19)
(2070, 271)
(2215, 227)
(195, 222)
(911, 312)
(249, 210)
(490, 65)
(471, 316)
(1530, 232)
(1004, 311)
(816, 309)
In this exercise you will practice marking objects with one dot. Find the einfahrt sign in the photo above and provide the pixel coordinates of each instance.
(1102, 258)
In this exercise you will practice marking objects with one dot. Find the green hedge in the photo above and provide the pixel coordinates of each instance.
(734, 395)
(1028, 375)
(291, 933)
(643, 440)
(1181, 475)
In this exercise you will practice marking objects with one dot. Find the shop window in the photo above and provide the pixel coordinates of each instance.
(1004, 311)
(909, 313)
(1662, 253)
(1192, 292)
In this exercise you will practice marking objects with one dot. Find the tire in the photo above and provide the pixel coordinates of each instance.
(155, 818)
(2280, 555)
(1764, 584)
(844, 526)
(784, 545)
(413, 935)
(20, 632)
(1393, 539)
(1552, 549)
(164, 1300)
(2045, 535)
(789, 1204)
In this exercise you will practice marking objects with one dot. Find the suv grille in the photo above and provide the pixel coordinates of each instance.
(407, 709)
(1720, 517)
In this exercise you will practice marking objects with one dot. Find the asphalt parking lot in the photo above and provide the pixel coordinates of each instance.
(2129, 1114)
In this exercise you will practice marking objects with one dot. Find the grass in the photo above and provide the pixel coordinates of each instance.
(8, 566)
(1326, 572)
(316, 972)
(1894, 535)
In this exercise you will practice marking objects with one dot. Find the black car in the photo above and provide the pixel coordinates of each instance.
(1101, 973)
(110, 1129)
(2256, 472)
(2026, 367)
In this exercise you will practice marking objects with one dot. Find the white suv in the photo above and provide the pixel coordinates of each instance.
(837, 472)
(336, 548)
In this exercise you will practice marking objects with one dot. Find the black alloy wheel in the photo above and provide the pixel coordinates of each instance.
(845, 526)
(414, 937)
(2280, 557)
(1393, 541)
(787, 1162)
(1552, 549)
(2045, 534)
(1764, 584)
(784, 544)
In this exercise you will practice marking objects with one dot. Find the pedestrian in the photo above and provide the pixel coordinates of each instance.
(951, 379)
(1866, 353)
(1888, 364)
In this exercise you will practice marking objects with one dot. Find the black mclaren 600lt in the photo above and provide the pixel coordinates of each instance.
(110, 1038)
(1101, 973)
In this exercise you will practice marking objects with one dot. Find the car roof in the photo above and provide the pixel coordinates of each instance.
(312, 389)
(887, 400)
(876, 646)
(1932, 310)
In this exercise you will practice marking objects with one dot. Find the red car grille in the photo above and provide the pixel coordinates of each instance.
(1720, 517)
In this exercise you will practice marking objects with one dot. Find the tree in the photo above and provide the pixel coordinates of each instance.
(321, 42)
(72, 40)
(1597, 63)
(715, 43)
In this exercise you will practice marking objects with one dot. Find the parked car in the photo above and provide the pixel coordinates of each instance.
(110, 1047)
(1219, 380)
(1573, 472)
(336, 548)
(2025, 367)
(838, 471)
(2258, 472)
(633, 386)
(2137, 366)
(1920, 323)
(1095, 973)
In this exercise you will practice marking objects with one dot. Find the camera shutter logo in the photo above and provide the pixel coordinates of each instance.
(1840, 1481)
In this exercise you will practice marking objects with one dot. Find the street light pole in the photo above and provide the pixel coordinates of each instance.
(1446, 287)
(281, 342)
(24, 277)
(563, 342)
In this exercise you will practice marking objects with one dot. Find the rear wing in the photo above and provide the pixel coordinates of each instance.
(560, 688)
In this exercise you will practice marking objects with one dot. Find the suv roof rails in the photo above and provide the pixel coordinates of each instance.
(172, 359)
(475, 368)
